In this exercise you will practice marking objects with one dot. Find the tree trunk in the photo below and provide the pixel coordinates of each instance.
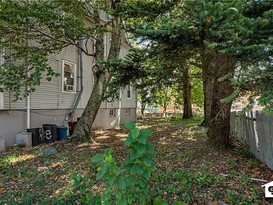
(101, 79)
(218, 113)
(164, 107)
(83, 127)
(187, 108)
(208, 83)
(219, 125)
(143, 106)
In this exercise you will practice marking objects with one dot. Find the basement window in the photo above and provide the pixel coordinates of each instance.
(112, 113)
(68, 77)
(127, 111)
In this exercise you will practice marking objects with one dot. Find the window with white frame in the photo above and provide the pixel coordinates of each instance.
(69, 77)
(127, 111)
(111, 112)
(128, 92)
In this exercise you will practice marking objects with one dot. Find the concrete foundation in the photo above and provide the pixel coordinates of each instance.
(13, 122)
(2, 144)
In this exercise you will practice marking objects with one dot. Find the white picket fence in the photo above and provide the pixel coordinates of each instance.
(255, 129)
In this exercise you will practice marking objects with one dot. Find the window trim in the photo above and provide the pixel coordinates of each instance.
(75, 76)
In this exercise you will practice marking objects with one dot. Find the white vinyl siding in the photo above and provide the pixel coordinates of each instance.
(111, 105)
(124, 49)
(49, 94)
(88, 79)
(128, 102)
(127, 111)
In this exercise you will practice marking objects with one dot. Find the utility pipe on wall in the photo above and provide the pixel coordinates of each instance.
(78, 97)
(28, 96)
(28, 110)
(119, 106)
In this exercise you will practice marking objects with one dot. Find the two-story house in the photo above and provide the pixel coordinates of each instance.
(67, 95)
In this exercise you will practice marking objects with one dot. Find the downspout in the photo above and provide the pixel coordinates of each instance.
(78, 97)
(28, 89)
(135, 102)
(28, 110)
(2, 51)
(119, 107)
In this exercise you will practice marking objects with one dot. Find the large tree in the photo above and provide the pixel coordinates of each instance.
(101, 69)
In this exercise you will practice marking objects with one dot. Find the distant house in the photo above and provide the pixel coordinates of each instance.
(68, 94)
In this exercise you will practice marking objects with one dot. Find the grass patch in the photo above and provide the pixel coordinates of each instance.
(188, 170)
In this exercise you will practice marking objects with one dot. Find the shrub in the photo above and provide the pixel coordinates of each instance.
(126, 183)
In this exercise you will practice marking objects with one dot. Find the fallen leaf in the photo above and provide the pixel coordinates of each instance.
(42, 169)
(2, 190)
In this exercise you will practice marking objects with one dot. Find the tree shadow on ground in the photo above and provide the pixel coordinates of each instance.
(29, 177)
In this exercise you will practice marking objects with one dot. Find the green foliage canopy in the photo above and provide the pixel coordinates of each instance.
(241, 29)
(30, 32)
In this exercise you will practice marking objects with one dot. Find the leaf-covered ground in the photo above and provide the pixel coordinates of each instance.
(188, 169)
